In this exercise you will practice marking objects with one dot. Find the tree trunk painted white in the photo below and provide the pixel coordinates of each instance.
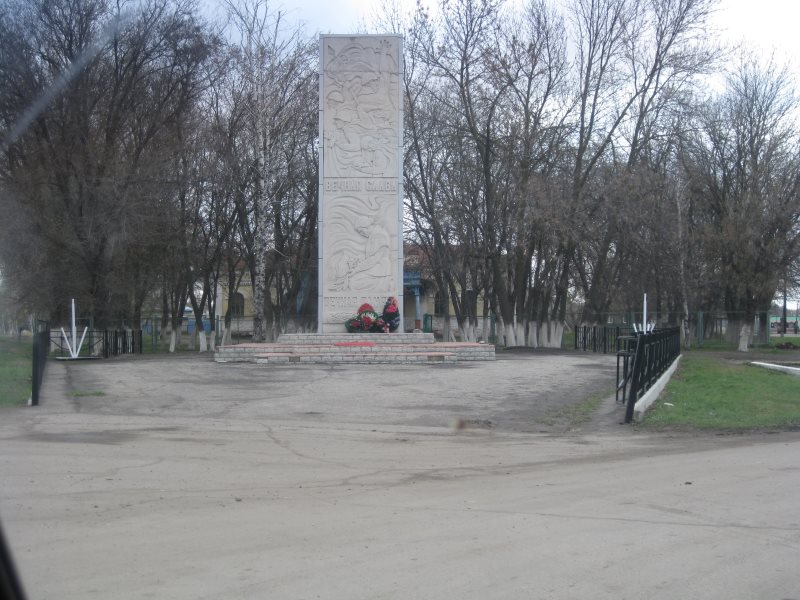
(744, 336)
(501, 337)
(203, 342)
(172, 341)
(510, 335)
(533, 334)
(447, 334)
(467, 332)
(226, 337)
(551, 334)
(519, 334)
(212, 342)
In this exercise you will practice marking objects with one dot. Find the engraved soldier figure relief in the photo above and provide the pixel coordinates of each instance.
(360, 249)
(360, 102)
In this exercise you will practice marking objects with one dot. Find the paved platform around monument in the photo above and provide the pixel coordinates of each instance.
(181, 478)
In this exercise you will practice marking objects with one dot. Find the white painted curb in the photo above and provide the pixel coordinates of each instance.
(782, 368)
(650, 396)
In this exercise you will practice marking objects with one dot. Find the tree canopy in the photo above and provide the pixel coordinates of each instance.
(560, 159)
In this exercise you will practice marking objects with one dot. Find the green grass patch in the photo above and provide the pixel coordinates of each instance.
(709, 392)
(15, 371)
(568, 339)
(713, 345)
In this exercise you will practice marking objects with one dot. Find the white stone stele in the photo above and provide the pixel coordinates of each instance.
(360, 175)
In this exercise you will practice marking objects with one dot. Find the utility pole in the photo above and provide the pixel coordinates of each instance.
(783, 331)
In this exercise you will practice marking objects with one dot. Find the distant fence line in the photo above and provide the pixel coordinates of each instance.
(705, 325)
(599, 338)
(100, 342)
(121, 342)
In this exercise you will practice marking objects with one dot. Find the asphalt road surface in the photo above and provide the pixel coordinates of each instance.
(179, 478)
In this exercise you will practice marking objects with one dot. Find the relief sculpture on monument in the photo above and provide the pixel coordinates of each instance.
(360, 103)
(360, 250)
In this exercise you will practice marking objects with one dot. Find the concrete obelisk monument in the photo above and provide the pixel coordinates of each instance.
(360, 175)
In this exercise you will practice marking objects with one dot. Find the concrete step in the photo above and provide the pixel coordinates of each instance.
(378, 338)
(354, 351)
(350, 358)
(378, 349)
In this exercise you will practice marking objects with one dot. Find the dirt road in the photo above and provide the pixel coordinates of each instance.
(181, 478)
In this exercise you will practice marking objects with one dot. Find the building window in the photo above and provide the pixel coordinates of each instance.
(237, 305)
(438, 305)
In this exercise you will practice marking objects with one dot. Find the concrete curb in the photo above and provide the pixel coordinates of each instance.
(782, 368)
(652, 394)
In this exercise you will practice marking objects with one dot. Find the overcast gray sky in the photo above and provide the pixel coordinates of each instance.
(765, 24)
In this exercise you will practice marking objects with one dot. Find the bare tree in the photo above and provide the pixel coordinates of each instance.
(81, 175)
(535, 68)
(637, 62)
(274, 64)
(743, 167)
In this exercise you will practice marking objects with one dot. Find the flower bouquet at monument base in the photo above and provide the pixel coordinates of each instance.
(391, 314)
(367, 320)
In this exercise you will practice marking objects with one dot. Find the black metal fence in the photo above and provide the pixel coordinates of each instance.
(122, 342)
(705, 327)
(97, 342)
(645, 357)
(599, 338)
(41, 347)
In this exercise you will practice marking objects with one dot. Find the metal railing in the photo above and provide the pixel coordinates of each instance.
(645, 363)
(99, 342)
(121, 342)
(626, 351)
(41, 347)
(599, 338)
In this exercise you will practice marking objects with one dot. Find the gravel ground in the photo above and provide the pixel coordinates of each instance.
(521, 391)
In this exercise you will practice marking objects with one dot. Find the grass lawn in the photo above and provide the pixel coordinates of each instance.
(710, 392)
(15, 371)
